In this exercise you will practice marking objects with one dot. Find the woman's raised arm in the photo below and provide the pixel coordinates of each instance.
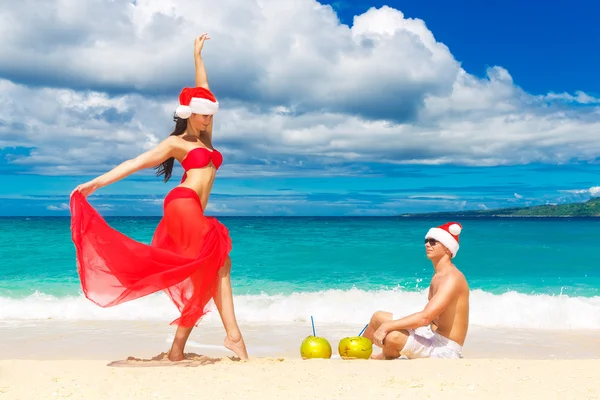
(201, 77)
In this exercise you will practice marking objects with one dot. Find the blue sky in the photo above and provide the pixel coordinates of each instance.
(339, 108)
(545, 46)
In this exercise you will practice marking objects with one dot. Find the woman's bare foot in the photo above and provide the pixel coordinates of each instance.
(173, 355)
(181, 336)
(237, 346)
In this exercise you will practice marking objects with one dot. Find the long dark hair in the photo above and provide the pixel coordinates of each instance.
(166, 168)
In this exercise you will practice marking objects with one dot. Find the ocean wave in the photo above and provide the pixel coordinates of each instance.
(507, 310)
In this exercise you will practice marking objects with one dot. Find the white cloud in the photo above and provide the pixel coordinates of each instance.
(60, 207)
(593, 191)
(299, 91)
(219, 208)
(269, 52)
(579, 97)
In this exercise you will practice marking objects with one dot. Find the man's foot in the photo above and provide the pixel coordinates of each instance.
(237, 346)
(381, 356)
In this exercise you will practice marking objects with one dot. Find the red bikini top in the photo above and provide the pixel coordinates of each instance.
(200, 157)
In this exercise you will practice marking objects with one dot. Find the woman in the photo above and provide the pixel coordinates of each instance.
(189, 254)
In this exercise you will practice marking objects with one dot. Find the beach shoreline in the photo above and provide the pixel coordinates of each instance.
(102, 340)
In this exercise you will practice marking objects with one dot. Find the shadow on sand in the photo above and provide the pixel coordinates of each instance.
(162, 360)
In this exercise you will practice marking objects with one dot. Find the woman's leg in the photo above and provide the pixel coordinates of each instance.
(180, 215)
(224, 302)
(181, 336)
(182, 234)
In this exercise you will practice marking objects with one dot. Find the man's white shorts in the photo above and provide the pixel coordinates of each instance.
(424, 343)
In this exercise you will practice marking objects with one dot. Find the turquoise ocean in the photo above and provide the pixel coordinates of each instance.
(524, 273)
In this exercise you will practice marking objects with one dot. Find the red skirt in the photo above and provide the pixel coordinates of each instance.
(184, 258)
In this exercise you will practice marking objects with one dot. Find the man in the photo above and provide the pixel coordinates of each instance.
(439, 331)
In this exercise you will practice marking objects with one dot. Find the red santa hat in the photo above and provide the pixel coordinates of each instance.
(197, 100)
(447, 235)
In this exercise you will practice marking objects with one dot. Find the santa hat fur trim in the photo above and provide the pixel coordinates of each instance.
(447, 235)
(196, 100)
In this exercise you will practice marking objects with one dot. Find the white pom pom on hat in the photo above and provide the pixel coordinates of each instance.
(183, 111)
(447, 234)
(455, 229)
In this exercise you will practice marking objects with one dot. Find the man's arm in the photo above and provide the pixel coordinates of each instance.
(437, 305)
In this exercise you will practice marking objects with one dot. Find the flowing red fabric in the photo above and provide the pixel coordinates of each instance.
(184, 258)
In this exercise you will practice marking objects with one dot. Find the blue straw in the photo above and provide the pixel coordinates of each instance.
(313, 324)
(361, 332)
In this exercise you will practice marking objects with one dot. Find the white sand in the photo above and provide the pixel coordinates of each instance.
(298, 379)
(70, 360)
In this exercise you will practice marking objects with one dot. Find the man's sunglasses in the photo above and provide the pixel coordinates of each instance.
(432, 242)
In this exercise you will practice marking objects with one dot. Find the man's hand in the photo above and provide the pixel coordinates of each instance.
(380, 334)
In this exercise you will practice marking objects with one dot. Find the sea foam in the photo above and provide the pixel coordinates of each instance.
(507, 310)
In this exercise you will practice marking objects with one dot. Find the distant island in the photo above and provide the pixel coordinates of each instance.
(590, 208)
